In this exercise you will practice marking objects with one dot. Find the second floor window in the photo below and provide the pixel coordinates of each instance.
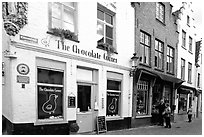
(198, 82)
(145, 48)
(188, 20)
(189, 72)
(190, 44)
(160, 12)
(182, 69)
(105, 26)
(159, 54)
(183, 38)
(62, 15)
(170, 60)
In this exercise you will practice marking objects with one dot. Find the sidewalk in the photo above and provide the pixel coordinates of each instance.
(178, 128)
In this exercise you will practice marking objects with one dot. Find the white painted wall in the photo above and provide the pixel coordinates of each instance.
(23, 107)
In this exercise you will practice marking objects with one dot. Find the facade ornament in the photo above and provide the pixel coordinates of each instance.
(14, 16)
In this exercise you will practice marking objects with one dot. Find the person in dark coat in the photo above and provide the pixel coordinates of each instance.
(161, 107)
(167, 116)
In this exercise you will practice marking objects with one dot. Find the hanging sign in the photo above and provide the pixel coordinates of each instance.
(101, 124)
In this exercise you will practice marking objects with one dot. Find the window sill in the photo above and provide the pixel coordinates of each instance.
(183, 47)
(51, 33)
(102, 47)
(157, 69)
(190, 52)
(189, 82)
(161, 22)
(143, 116)
(170, 73)
(109, 118)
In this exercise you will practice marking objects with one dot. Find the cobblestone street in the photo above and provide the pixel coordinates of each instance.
(178, 128)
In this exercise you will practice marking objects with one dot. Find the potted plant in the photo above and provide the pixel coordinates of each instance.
(62, 33)
(73, 128)
(105, 46)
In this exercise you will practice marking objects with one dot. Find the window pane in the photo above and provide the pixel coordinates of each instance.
(156, 45)
(56, 23)
(68, 16)
(109, 41)
(100, 14)
(50, 102)
(68, 26)
(147, 55)
(108, 19)
(69, 4)
(50, 76)
(147, 40)
(113, 85)
(109, 31)
(56, 10)
(84, 97)
(141, 103)
(141, 37)
(100, 28)
(112, 104)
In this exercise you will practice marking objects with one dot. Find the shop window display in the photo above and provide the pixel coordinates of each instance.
(50, 94)
(142, 98)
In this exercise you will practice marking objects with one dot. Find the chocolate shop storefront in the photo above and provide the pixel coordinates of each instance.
(48, 86)
(149, 87)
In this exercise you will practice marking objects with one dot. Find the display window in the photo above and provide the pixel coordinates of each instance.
(113, 94)
(50, 94)
(142, 98)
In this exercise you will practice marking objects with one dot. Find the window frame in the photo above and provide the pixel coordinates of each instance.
(183, 68)
(198, 82)
(168, 67)
(110, 13)
(143, 86)
(188, 20)
(158, 52)
(74, 10)
(190, 43)
(145, 47)
(183, 39)
(158, 12)
(189, 72)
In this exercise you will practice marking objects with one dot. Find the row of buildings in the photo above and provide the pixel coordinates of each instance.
(69, 62)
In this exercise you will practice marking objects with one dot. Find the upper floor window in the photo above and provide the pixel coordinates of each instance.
(63, 15)
(145, 48)
(160, 11)
(198, 82)
(159, 54)
(182, 69)
(170, 59)
(183, 38)
(188, 20)
(105, 26)
(190, 44)
(189, 72)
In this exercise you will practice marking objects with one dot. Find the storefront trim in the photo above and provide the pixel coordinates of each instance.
(66, 55)
(114, 118)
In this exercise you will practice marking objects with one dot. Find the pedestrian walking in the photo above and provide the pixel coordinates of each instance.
(167, 115)
(190, 113)
(161, 108)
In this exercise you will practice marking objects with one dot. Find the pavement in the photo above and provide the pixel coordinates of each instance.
(178, 128)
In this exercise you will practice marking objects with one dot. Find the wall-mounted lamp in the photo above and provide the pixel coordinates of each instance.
(135, 61)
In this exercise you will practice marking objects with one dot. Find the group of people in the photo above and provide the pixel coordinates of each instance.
(165, 113)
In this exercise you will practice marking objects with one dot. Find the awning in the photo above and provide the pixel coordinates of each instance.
(169, 78)
(186, 89)
(161, 76)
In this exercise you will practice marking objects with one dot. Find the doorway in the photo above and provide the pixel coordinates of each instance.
(85, 104)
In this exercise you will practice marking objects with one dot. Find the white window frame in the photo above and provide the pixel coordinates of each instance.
(160, 63)
(160, 12)
(112, 14)
(62, 6)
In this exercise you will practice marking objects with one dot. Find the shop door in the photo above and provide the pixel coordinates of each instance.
(85, 109)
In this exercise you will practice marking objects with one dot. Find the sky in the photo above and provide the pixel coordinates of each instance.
(197, 6)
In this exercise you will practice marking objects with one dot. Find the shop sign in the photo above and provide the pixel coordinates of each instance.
(28, 39)
(50, 102)
(23, 69)
(101, 124)
(63, 46)
(23, 79)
